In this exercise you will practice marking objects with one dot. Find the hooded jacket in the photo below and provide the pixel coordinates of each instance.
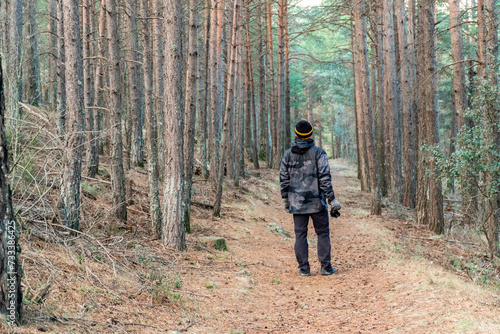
(305, 177)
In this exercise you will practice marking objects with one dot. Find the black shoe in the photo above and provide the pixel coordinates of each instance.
(328, 270)
(303, 272)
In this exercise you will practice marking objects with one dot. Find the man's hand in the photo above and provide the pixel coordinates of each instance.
(335, 205)
(286, 204)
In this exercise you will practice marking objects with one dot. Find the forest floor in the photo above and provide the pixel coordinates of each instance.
(387, 282)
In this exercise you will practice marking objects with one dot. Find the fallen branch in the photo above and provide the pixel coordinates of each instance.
(202, 205)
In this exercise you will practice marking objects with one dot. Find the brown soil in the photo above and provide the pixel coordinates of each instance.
(254, 287)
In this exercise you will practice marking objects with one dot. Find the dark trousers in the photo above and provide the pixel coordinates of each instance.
(322, 228)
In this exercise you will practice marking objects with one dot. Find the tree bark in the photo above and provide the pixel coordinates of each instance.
(228, 110)
(407, 80)
(11, 297)
(32, 54)
(88, 100)
(158, 80)
(53, 55)
(151, 124)
(174, 229)
(115, 106)
(191, 85)
(253, 139)
(275, 156)
(74, 138)
(132, 60)
(427, 111)
(392, 112)
(14, 56)
(61, 83)
(99, 100)
(363, 108)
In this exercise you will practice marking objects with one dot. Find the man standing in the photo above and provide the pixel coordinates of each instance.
(306, 184)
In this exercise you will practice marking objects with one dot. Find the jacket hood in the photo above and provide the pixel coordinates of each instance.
(301, 146)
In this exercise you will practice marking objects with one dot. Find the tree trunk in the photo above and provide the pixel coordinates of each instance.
(174, 229)
(190, 112)
(158, 80)
(204, 96)
(32, 54)
(280, 80)
(135, 103)
(99, 100)
(426, 59)
(253, 139)
(61, 83)
(275, 156)
(10, 252)
(14, 54)
(363, 105)
(264, 110)
(228, 111)
(380, 118)
(53, 55)
(409, 190)
(392, 112)
(115, 106)
(151, 124)
(74, 138)
(88, 89)
(287, 126)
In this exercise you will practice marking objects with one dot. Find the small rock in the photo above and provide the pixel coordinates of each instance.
(218, 243)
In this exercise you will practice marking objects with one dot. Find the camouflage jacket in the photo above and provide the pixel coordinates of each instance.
(305, 178)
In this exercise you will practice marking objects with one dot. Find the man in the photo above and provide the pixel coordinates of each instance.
(306, 184)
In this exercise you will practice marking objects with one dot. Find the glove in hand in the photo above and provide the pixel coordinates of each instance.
(286, 204)
(335, 205)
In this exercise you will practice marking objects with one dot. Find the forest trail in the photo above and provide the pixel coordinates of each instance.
(385, 284)
(255, 287)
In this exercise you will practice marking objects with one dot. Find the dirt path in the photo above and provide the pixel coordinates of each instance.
(254, 287)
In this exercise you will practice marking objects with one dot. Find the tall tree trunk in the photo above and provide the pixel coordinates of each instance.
(99, 95)
(134, 86)
(14, 54)
(88, 100)
(380, 118)
(11, 296)
(32, 54)
(239, 104)
(280, 80)
(287, 138)
(426, 57)
(492, 128)
(191, 85)
(275, 157)
(264, 110)
(174, 229)
(158, 81)
(392, 112)
(409, 185)
(215, 81)
(228, 110)
(364, 103)
(74, 139)
(460, 95)
(481, 38)
(61, 83)
(253, 139)
(204, 96)
(115, 106)
(151, 124)
(53, 55)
